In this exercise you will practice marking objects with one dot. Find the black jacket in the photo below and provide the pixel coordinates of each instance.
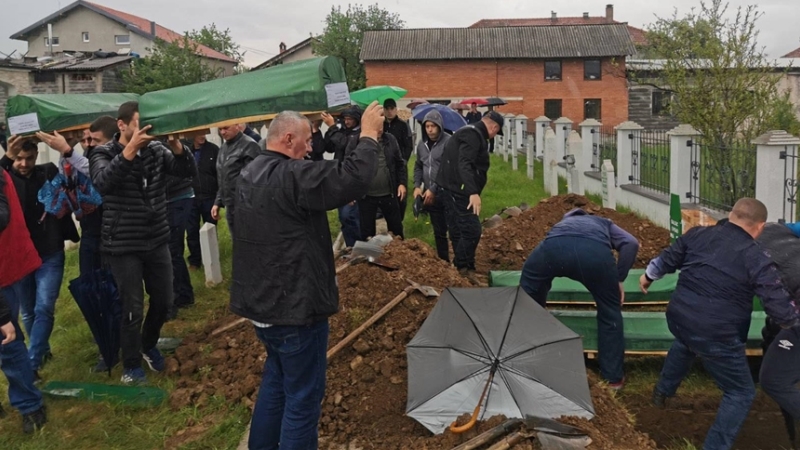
(48, 233)
(338, 139)
(205, 183)
(395, 164)
(233, 157)
(134, 194)
(473, 117)
(317, 146)
(465, 161)
(400, 130)
(5, 311)
(283, 271)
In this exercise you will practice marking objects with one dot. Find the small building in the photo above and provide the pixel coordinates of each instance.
(574, 71)
(299, 52)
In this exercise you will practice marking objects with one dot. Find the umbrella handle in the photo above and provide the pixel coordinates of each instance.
(474, 419)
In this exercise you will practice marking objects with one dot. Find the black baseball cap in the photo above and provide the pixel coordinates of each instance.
(497, 118)
(389, 103)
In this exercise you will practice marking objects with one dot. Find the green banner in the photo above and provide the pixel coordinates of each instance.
(675, 219)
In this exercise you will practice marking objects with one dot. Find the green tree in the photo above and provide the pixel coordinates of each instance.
(170, 64)
(344, 33)
(219, 40)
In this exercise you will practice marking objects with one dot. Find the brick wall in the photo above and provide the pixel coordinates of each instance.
(511, 78)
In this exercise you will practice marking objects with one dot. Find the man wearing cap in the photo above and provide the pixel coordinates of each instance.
(398, 128)
(461, 178)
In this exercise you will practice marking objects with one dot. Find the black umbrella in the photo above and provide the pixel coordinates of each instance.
(97, 296)
(418, 206)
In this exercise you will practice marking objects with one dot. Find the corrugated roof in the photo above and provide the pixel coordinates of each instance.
(578, 41)
(637, 34)
(92, 64)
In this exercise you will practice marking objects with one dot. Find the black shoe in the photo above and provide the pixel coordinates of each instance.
(34, 420)
(658, 400)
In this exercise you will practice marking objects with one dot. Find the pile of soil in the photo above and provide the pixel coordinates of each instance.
(507, 246)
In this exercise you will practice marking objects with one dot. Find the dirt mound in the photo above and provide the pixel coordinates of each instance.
(508, 246)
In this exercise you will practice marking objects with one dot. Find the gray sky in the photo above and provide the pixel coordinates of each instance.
(259, 25)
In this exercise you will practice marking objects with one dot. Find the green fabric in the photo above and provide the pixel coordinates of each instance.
(644, 331)
(128, 395)
(299, 86)
(62, 111)
(364, 97)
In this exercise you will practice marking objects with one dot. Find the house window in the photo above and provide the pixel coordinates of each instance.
(122, 39)
(591, 69)
(591, 108)
(44, 77)
(47, 42)
(552, 70)
(85, 36)
(552, 109)
(661, 102)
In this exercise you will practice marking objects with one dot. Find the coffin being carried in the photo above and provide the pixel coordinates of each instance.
(60, 112)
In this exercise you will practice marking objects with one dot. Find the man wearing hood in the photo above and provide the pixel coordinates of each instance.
(579, 247)
(337, 140)
(429, 156)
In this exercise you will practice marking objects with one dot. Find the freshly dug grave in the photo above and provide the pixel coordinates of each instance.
(508, 246)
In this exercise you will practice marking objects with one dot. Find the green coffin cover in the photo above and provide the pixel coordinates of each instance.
(644, 331)
(66, 111)
(298, 86)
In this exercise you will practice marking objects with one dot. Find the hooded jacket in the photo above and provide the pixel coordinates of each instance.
(429, 154)
(465, 161)
(338, 138)
(783, 244)
(234, 155)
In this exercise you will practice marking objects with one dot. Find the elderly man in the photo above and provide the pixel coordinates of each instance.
(722, 269)
(426, 167)
(282, 237)
(236, 152)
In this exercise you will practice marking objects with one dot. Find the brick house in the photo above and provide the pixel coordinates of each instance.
(574, 71)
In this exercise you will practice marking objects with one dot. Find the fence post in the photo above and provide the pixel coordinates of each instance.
(681, 141)
(629, 136)
(209, 250)
(541, 124)
(520, 133)
(531, 152)
(563, 127)
(550, 162)
(508, 134)
(574, 157)
(776, 174)
(590, 156)
(609, 189)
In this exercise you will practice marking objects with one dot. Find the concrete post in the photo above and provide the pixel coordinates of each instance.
(550, 163)
(521, 134)
(574, 172)
(209, 249)
(680, 165)
(590, 154)
(609, 185)
(563, 127)
(776, 174)
(531, 153)
(629, 136)
(541, 124)
(508, 134)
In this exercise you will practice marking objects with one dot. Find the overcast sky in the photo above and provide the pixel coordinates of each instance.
(259, 25)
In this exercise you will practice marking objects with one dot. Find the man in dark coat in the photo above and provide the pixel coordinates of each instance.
(283, 272)
(339, 137)
(235, 154)
(205, 191)
(386, 191)
(399, 128)
(426, 167)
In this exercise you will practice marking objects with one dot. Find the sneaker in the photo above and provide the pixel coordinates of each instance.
(154, 359)
(658, 399)
(618, 385)
(34, 420)
(133, 376)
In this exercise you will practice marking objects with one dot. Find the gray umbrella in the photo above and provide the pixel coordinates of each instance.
(535, 362)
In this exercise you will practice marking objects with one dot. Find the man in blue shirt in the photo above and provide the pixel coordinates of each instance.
(579, 247)
(722, 269)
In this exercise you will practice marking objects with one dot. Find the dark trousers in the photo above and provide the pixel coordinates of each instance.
(438, 218)
(155, 269)
(201, 210)
(288, 407)
(178, 215)
(464, 227)
(593, 265)
(229, 216)
(780, 371)
(726, 362)
(368, 209)
(349, 219)
(89, 258)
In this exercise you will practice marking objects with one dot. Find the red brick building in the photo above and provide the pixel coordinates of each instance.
(575, 71)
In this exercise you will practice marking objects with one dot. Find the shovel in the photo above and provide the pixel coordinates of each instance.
(562, 434)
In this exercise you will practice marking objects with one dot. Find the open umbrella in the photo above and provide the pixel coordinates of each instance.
(458, 106)
(69, 192)
(414, 102)
(484, 101)
(452, 120)
(98, 299)
(364, 97)
(500, 338)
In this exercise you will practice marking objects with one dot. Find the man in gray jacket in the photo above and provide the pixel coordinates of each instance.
(236, 152)
(429, 155)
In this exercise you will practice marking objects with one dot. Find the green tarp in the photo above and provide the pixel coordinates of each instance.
(66, 111)
(298, 86)
(644, 331)
(128, 395)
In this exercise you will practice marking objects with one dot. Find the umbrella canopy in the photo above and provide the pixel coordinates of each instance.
(414, 102)
(98, 299)
(458, 106)
(473, 335)
(452, 120)
(69, 193)
(368, 95)
(484, 101)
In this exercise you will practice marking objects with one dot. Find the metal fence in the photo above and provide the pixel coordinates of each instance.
(721, 175)
(650, 160)
(604, 147)
(789, 156)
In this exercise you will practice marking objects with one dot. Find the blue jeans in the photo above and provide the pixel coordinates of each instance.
(292, 387)
(350, 220)
(178, 215)
(201, 210)
(16, 366)
(36, 295)
(593, 265)
(727, 364)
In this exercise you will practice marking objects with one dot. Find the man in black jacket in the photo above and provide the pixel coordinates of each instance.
(130, 173)
(386, 191)
(180, 198)
(237, 151)
(283, 236)
(338, 138)
(205, 191)
(462, 177)
(399, 128)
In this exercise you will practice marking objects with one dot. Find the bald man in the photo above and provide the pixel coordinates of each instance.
(722, 269)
